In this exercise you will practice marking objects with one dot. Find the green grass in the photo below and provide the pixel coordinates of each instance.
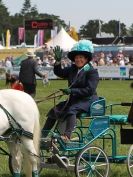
(112, 90)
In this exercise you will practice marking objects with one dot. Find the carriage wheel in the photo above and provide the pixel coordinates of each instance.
(92, 162)
(130, 161)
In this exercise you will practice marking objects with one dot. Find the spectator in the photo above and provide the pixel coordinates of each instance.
(39, 62)
(82, 83)
(114, 62)
(45, 61)
(8, 63)
(13, 80)
(27, 75)
(45, 49)
(51, 52)
(51, 61)
(101, 61)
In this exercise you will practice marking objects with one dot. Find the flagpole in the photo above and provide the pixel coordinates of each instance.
(99, 27)
(24, 29)
(18, 37)
(119, 29)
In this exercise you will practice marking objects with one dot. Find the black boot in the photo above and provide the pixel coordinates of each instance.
(48, 126)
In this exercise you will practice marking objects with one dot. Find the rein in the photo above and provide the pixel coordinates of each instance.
(54, 95)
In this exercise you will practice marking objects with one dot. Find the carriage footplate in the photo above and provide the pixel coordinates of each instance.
(70, 144)
(59, 161)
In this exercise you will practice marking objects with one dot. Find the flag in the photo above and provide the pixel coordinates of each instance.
(8, 38)
(72, 32)
(119, 28)
(39, 38)
(35, 41)
(41, 42)
(21, 34)
(54, 32)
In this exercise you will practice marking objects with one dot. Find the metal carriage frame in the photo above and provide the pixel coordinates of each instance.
(87, 158)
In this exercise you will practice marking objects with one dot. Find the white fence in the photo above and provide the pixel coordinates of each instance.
(125, 72)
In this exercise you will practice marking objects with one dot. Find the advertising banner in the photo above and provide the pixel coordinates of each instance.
(113, 72)
(105, 72)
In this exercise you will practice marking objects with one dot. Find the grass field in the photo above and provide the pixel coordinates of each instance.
(112, 90)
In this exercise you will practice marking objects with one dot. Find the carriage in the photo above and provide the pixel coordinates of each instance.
(87, 152)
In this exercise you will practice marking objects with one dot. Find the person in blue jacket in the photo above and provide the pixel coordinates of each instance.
(82, 84)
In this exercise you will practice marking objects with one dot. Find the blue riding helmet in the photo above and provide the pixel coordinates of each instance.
(84, 47)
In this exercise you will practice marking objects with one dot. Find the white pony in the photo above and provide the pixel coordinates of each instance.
(22, 108)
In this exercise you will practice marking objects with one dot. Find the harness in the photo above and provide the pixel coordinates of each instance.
(19, 131)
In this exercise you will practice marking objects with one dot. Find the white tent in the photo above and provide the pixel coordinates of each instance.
(63, 40)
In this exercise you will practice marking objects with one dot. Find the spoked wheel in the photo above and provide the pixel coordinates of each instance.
(92, 162)
(130, 161)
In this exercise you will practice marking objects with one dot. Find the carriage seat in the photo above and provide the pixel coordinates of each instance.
(118, 119)
(114, 117)
(97, 108)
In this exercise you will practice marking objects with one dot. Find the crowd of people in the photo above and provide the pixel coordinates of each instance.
(119, 58)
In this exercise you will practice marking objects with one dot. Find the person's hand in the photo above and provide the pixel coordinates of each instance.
(58, 53)
(45, 75)
(66, 91)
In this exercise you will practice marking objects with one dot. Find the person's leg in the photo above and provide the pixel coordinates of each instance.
(49, 124)
(53, 115)
(71, 123)
(30, 89)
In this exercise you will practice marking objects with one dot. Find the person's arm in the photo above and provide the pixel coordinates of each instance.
(61, 72)
(37, 72)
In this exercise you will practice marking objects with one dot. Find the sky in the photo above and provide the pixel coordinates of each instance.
(79, 12)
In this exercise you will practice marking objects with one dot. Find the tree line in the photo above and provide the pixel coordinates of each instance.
(28, 12)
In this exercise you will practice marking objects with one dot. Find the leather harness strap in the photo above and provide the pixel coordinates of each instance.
(18, 131)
